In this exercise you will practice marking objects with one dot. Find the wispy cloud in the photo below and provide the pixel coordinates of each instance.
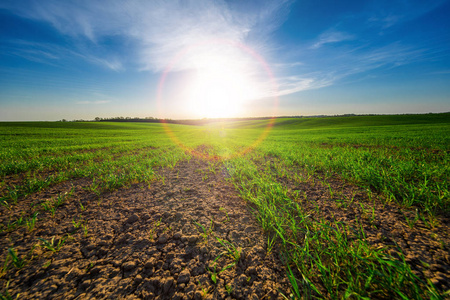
(154, 32)
(344, 50)
(392, 55)
(294, 84)
(56, 55)
(157, 30)
(112, 63)
(330, 37)
(385, 22)
(386, 14)
(345, 62)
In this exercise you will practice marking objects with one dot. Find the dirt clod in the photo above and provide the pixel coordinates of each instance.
(184, 276)
(163, 238)
(133, 218)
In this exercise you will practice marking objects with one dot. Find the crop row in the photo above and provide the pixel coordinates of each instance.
(325, 259)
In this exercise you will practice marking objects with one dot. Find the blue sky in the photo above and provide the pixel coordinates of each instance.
(83, 59)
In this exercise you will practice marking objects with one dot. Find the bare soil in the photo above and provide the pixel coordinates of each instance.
(188, 236)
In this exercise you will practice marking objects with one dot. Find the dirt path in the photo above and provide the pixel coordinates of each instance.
(188, 236)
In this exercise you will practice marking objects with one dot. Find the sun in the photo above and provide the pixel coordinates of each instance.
(215, 79)
(219, 90)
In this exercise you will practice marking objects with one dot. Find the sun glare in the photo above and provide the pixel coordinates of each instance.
(219, 90)
(215, 79)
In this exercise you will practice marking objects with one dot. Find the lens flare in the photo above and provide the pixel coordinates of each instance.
(218, 81)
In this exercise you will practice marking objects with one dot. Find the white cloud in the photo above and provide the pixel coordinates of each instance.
(55, 55)
(156, 31)
(386, 22)
(112, 63)
(339, 63)
(159, 32)
(293, 84)
(159, 29)
(332, 36)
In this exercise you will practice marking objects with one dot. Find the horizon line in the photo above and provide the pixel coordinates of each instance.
(154, 120)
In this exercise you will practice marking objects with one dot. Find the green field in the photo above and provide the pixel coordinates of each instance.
(399, 162)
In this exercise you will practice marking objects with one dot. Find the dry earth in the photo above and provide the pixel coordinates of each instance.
(188, 236)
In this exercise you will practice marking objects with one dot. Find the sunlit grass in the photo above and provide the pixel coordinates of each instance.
(403, 159)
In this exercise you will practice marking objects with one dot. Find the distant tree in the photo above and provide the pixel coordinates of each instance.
(97, 119)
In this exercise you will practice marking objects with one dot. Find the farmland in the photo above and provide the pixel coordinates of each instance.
(336, 207)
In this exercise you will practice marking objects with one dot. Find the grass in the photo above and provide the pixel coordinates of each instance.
(215, 270)
(205, 232)
(396, 159)
(31, 222)
(6, 295)
(334, 254)
(13, 260)
(232, 251)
